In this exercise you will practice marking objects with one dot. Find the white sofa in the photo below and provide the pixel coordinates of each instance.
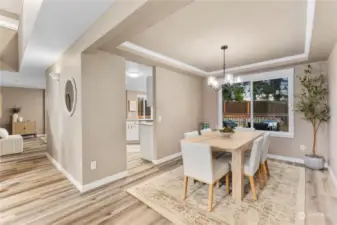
(10, 144)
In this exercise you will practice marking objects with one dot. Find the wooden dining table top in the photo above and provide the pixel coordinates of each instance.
(238, 140)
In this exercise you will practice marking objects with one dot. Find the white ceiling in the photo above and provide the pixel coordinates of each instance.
(58, 25)
(325, 30)
(261, 35)
(13, 6)
(136, 83)
(255, 31)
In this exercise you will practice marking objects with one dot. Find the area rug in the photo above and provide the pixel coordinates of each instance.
(280, 202)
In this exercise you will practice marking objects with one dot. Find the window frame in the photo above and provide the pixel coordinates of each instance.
(286, 73)
(144, 106)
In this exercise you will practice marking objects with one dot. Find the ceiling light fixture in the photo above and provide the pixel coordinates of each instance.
(227, 78)
(133, 74)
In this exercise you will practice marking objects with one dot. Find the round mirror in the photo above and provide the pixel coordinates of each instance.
(70, 96)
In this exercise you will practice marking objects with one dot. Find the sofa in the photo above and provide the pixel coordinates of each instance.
(10, 144)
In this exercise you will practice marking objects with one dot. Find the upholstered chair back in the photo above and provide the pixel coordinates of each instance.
(265, 147)
(255, 156)
(191, 134)
(197, 160)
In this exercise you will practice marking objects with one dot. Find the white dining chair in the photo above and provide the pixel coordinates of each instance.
(264, 153)
(252, 164)
(199, 165)
(191, 134)
(205, 131)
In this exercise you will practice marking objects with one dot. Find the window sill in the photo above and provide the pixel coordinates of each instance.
(282, 134)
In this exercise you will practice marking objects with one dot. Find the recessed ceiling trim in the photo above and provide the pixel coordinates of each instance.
(128, 46)
(264, 64)
(9, 23)
(311, 4)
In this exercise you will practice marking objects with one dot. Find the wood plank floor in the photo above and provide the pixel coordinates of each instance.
(321, 198)
(33, 191)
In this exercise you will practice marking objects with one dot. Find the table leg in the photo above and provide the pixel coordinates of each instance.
(237, 180)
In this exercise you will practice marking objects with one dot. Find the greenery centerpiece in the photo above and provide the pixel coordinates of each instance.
(227, 131)
(312, 103)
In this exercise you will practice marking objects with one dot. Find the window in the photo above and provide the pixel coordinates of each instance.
(144, 111)
(260, 101)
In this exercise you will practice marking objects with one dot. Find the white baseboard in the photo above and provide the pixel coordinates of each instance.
(333, 177)
(65, 173)
(104, 181)
(90, 186)
(289, 159)
(286, 158)
(167, 158)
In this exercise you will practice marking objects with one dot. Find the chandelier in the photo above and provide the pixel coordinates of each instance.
(228, 78)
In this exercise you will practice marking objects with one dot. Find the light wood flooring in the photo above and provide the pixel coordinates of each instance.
(33, 191)
(321, 198)
(134, 160)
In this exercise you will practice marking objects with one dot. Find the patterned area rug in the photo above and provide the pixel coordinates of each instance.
(280, 202)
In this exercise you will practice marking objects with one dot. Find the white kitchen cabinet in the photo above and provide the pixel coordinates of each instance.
(146, 141)
(132, 131)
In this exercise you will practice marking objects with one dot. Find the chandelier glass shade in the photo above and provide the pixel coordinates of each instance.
(213, 82)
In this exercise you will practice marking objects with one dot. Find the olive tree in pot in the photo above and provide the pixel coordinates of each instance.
(313, 104)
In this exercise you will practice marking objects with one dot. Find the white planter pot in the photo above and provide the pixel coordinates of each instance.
(15, 117)
(314, 162)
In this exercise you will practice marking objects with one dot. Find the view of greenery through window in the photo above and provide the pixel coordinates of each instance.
(270, 104)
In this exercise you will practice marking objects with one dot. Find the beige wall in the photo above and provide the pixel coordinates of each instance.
(332, 65)
(178, 101)
(8, 49)
(64, 131)
(210, 102)
(132, 96)
(303, 132)
(31, 102)
(104, 115)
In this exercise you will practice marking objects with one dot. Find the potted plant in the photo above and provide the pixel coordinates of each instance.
(15, 111)
(313, 104)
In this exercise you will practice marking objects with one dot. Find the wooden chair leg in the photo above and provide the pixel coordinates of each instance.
(210, 197)
(265, 173)
(185, 186)
(259, 177)
(266, 163)
(227, 183)
(252, 184)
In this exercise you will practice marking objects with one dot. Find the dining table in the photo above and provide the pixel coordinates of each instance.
(236, 144)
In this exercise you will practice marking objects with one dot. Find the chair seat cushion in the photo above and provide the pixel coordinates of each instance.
(220, 168)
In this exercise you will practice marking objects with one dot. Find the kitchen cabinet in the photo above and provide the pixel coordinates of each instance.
(146, 141)
(132, 131)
